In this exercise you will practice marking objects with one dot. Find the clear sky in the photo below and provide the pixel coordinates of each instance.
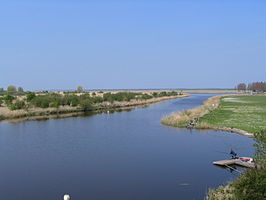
(60, 44)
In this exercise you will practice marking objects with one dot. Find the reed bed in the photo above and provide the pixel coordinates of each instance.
(180, 119)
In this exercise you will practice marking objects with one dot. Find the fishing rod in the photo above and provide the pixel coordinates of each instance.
(232, 168)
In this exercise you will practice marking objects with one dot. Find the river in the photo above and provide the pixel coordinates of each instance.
(124, 155)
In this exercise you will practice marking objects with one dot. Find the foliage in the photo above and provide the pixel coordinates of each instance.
(79, 89)
(11, 88)
(20, 89)
(120, 96)
(85, 105)
(8, 99)
(19, 104)
(146, 96)
(84, 101)
(12, 107)
(30, 96)
(252, 183)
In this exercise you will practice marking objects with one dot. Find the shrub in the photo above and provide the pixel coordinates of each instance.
(8, 99)
(30, 96)
(12, 107)
(252, 183)
(146, 96)
(86, 105)
(20, 104)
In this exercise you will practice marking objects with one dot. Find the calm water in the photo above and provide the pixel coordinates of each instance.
(119, 156)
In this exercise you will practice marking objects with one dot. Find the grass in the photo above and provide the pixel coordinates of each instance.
(242, 112)
(180, 119)
(246, 113)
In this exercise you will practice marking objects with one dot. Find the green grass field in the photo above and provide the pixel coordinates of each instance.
(243, 112)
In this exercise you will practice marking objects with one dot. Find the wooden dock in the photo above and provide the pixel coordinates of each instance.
(238, 162)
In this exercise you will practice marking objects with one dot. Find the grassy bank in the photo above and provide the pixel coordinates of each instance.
(241, 114)
(180, 119)
(37, 106)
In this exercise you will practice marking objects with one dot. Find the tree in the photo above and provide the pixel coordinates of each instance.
(257, 86)
(20, 89)
(241, 87)
(79, 89)
(11, 88)
(1, 90)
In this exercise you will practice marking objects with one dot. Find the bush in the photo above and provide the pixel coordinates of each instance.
(8, 99)
(86, 105)
(252, 183)
(146, 96)
(12, 107)
(120, 96)
(30, 96)
(20, 104)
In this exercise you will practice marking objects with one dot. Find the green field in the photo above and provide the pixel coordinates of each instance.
(243, 112)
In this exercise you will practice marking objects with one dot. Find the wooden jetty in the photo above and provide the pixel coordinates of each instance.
(239, 162)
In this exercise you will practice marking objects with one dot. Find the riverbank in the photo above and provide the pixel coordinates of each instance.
(230, 113)
(68, 111)
(241, 114)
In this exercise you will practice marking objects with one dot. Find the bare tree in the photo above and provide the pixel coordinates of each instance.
(241, 87)
(257, 86)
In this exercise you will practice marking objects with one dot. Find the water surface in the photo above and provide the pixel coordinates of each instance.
(118, 156)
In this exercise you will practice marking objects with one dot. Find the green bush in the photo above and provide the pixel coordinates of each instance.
(252, 183)
(30, 96)
(86, 105)
(20, 104)
(146, 96)
(8, 99)
(12, 107)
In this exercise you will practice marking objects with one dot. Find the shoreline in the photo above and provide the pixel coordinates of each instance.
(63, 112)
(209, 105)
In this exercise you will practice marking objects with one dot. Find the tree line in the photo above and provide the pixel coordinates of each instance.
(11, 89)
(255, 87)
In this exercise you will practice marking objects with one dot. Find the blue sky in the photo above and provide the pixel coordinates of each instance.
(60, 44)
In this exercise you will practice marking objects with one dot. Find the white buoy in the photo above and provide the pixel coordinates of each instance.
(66, 197)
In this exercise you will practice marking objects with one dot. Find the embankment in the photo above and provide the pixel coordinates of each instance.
(181, 119)
(67, 111)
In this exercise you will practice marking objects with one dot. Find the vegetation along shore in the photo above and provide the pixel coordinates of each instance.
(244, 114)
(16, 104)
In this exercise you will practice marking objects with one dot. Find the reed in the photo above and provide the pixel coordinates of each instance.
(180, 119)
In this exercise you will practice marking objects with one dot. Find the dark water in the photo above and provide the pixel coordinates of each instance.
(119, 156)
